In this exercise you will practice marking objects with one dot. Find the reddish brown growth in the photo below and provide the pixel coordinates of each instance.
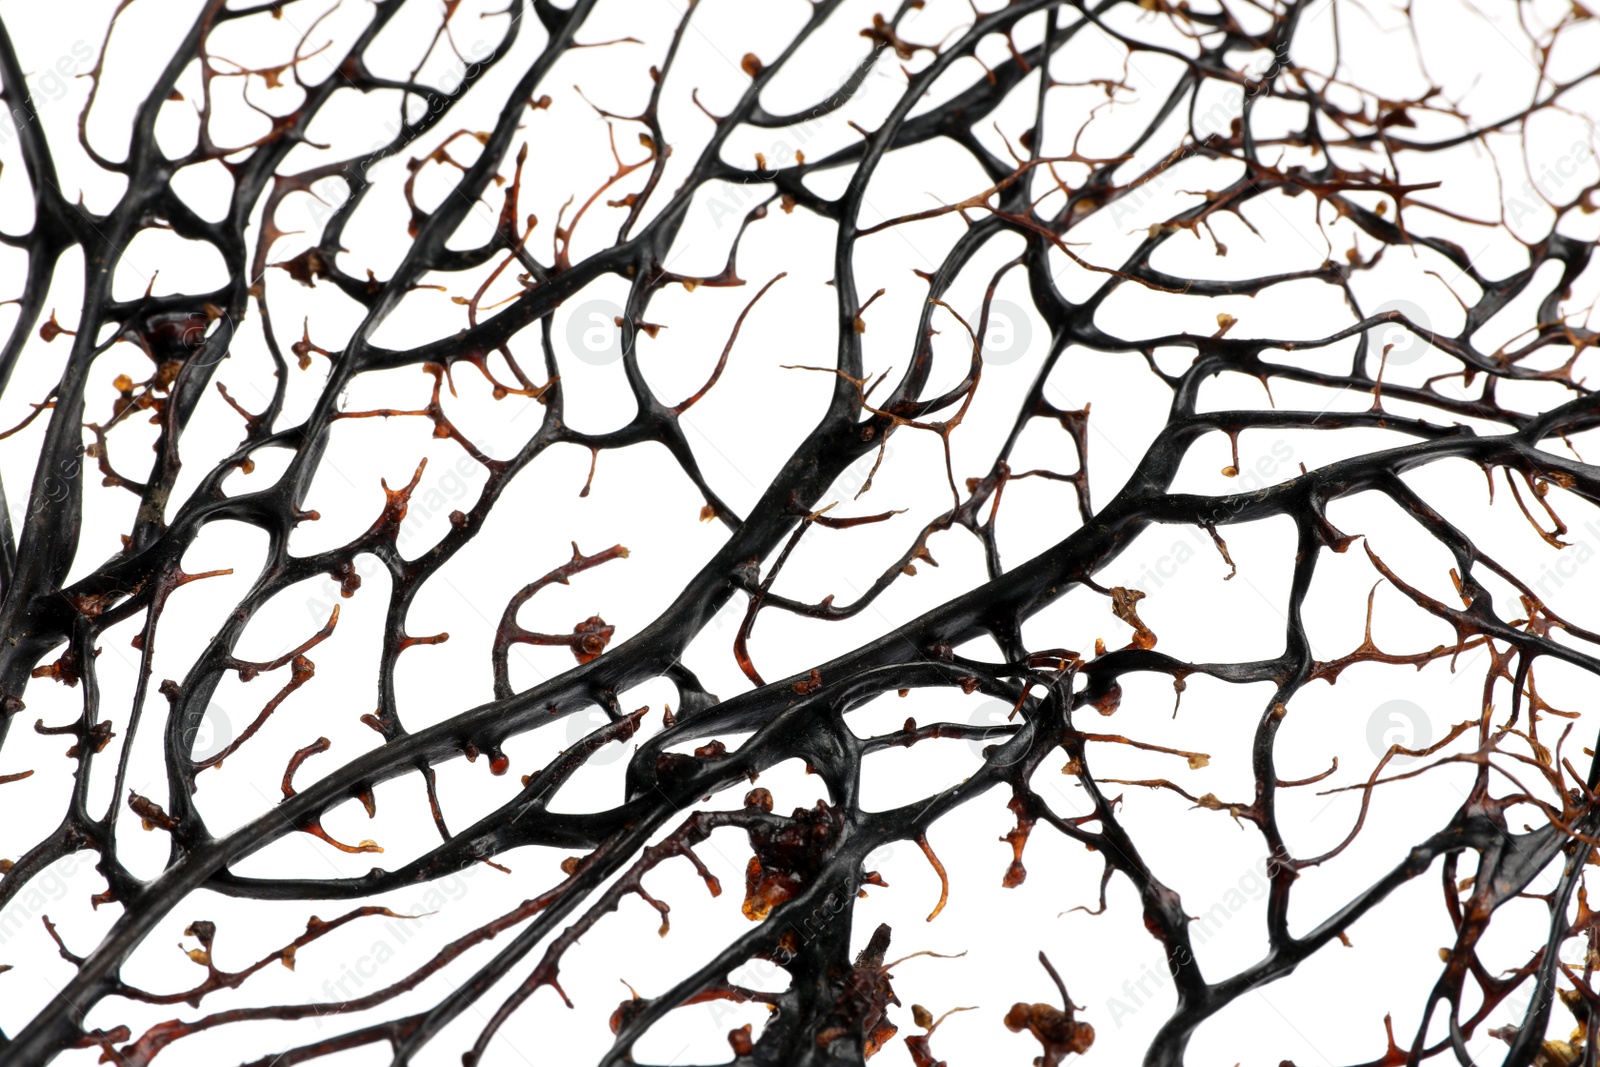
(1017, 838)
(919, 1044)
(1054, 1028)
(861, 1011)
(151, 815)
(787, 853)
(593, 634)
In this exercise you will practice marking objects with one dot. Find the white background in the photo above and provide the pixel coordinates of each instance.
(1330, 1011)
